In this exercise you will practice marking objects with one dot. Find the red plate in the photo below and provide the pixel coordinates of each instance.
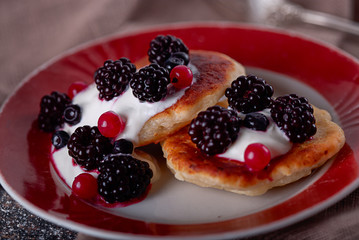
(328, 72)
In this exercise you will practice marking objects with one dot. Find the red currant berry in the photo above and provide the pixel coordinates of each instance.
(75, 88)
(85, 186)
(181, 76)
(110, 124)
(256, 156)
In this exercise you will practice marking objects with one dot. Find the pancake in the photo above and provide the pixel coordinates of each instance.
(144, 156)
(215, 72)
(187, 163)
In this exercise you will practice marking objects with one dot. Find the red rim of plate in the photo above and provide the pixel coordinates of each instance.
(24, 168)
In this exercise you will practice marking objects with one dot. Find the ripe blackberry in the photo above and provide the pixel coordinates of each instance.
(214, 130)
(72, 114)
(249, 94)
(113, 77)
(294, 115)
(123, 178)
(256, 121)
(150, 83)
(88, 147)
(162, 47)
(51, 111)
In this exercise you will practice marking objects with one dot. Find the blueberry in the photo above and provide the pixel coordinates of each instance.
(173, 62)
(72, 114)
(256, 121)
(60, 139)
(184, 56)
(123, 146)
(178, 58)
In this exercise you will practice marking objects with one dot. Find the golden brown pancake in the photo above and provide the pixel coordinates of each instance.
(215, 73)
(187, 162)
(143, 156)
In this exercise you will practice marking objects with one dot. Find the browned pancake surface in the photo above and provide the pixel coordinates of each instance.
(189, 164)
(215, 72)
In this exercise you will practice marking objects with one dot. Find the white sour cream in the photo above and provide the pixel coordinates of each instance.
(136, 113)
(273, 138)
(132, 111)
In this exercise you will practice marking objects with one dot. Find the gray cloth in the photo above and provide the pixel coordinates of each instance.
(32, 32)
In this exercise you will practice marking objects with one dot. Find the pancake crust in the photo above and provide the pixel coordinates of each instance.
(215, 73)
(189, 164)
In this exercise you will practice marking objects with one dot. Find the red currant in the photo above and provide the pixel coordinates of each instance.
(256, 156)
(85, 186)
(110, 124)
(75, 88)
(181, 76)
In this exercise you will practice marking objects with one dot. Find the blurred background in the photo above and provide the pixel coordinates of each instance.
(32, 32)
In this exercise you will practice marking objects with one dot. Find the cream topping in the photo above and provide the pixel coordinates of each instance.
(133, 112)
(273, 138)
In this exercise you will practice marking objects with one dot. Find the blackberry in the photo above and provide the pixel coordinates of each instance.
(256, 121)
(72, 114)
(178, 58)
(150, 83)
(294, 115)
(214, 130)
(88, 147)
(51, 111)
(113, 77)
(162, 47)
(249, 94)
(123, 146)
(59, 139)
(123, 178)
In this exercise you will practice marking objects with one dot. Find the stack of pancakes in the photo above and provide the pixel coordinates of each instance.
(215, 73)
